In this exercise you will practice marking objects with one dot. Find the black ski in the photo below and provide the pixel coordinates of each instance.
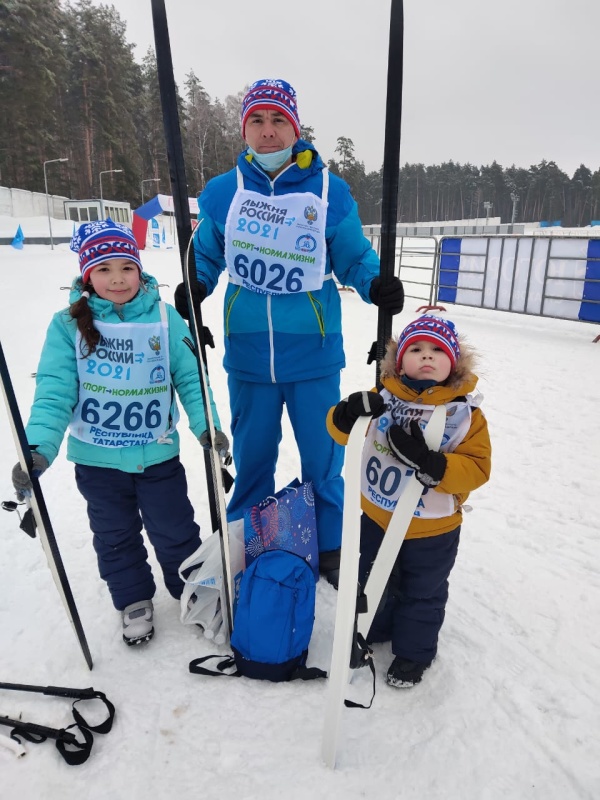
(391, 170)
(37, 513)
(215, 474)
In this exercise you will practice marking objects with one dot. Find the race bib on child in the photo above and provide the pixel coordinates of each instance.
(125, 386)
(383, 477)
(276, 244)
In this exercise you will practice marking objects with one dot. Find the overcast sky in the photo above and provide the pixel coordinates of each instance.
(511, 80)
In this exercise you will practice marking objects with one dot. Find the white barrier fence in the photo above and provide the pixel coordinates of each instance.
(21, 203)
(545, 275)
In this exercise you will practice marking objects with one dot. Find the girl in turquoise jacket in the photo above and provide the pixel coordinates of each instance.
(109, 370)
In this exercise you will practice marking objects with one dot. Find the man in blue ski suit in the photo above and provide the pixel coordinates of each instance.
(282, 226)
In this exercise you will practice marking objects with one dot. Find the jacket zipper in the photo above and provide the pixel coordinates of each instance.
(269, 315)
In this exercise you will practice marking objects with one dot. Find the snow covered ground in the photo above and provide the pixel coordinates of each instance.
(511, 707)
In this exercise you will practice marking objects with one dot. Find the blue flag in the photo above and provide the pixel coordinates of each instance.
(17, 242)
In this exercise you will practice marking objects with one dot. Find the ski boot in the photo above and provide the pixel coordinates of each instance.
(138, 622)
(329, 566)
(403, 674)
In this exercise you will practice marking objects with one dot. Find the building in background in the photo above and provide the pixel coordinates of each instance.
(91, 210)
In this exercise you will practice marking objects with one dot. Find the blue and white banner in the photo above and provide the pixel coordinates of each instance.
(548, 276)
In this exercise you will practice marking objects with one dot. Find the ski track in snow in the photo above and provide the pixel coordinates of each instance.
(511, 707)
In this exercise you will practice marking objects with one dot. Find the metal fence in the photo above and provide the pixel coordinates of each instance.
(544, 275)
(415, 263)
(547, 276)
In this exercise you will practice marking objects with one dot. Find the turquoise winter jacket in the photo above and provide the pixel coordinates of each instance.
(283, 338)
(57, 384)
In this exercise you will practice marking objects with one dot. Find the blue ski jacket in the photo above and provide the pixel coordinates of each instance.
(57, 384)
(292, 337)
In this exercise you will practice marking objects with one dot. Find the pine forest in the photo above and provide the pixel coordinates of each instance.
(70, 87)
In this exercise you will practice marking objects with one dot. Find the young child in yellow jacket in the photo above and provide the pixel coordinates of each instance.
(428, 365)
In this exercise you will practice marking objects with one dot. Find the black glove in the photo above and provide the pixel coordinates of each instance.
(199, 293)
(21, 480)
(411, 449)
(389, 296)
(357, 404)
(208, 337)
(221, 442)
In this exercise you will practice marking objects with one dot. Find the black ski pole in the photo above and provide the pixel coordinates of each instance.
(37, 504)
(68, 745)
(72, 694)
(391, 170)
(216, 475)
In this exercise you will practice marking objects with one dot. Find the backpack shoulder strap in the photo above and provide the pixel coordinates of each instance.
(307, 674)
(227, 664)
(223, 668)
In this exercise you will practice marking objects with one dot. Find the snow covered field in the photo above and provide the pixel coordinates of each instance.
(511, 707)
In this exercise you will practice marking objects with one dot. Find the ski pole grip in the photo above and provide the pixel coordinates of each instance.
(32, 732)
(75, 694)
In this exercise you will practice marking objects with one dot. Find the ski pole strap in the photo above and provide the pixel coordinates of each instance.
(77, 695)
(361, 655)
(103, 727)
(80, 751)
(368, 662)
(73, 750)
(227, 663)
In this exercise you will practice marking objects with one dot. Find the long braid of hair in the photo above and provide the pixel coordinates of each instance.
(82, 313)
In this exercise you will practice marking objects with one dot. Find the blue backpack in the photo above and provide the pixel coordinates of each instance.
(273, 621)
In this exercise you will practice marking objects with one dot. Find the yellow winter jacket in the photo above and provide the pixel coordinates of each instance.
(468, 466)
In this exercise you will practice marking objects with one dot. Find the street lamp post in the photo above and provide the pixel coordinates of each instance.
(52, 161)
(148, 180)
(105, 172)
(515, 199)
(488, 207)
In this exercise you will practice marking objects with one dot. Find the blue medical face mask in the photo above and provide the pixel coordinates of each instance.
(271, 162)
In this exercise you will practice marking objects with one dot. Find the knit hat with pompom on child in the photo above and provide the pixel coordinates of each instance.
(431, 329)
(96, 242)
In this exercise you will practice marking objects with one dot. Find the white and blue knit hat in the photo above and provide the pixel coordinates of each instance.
(271, 93)
(96, 242)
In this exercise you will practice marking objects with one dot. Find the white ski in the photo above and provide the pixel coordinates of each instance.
(380, 572)
(396, 531)
(215, 475)
(37, 506)
(346, 596)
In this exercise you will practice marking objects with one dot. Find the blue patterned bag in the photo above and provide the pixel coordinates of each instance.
(285, 521)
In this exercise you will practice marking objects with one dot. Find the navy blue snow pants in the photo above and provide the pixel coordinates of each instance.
(256, 410)
(412, 609)
(119, 504)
